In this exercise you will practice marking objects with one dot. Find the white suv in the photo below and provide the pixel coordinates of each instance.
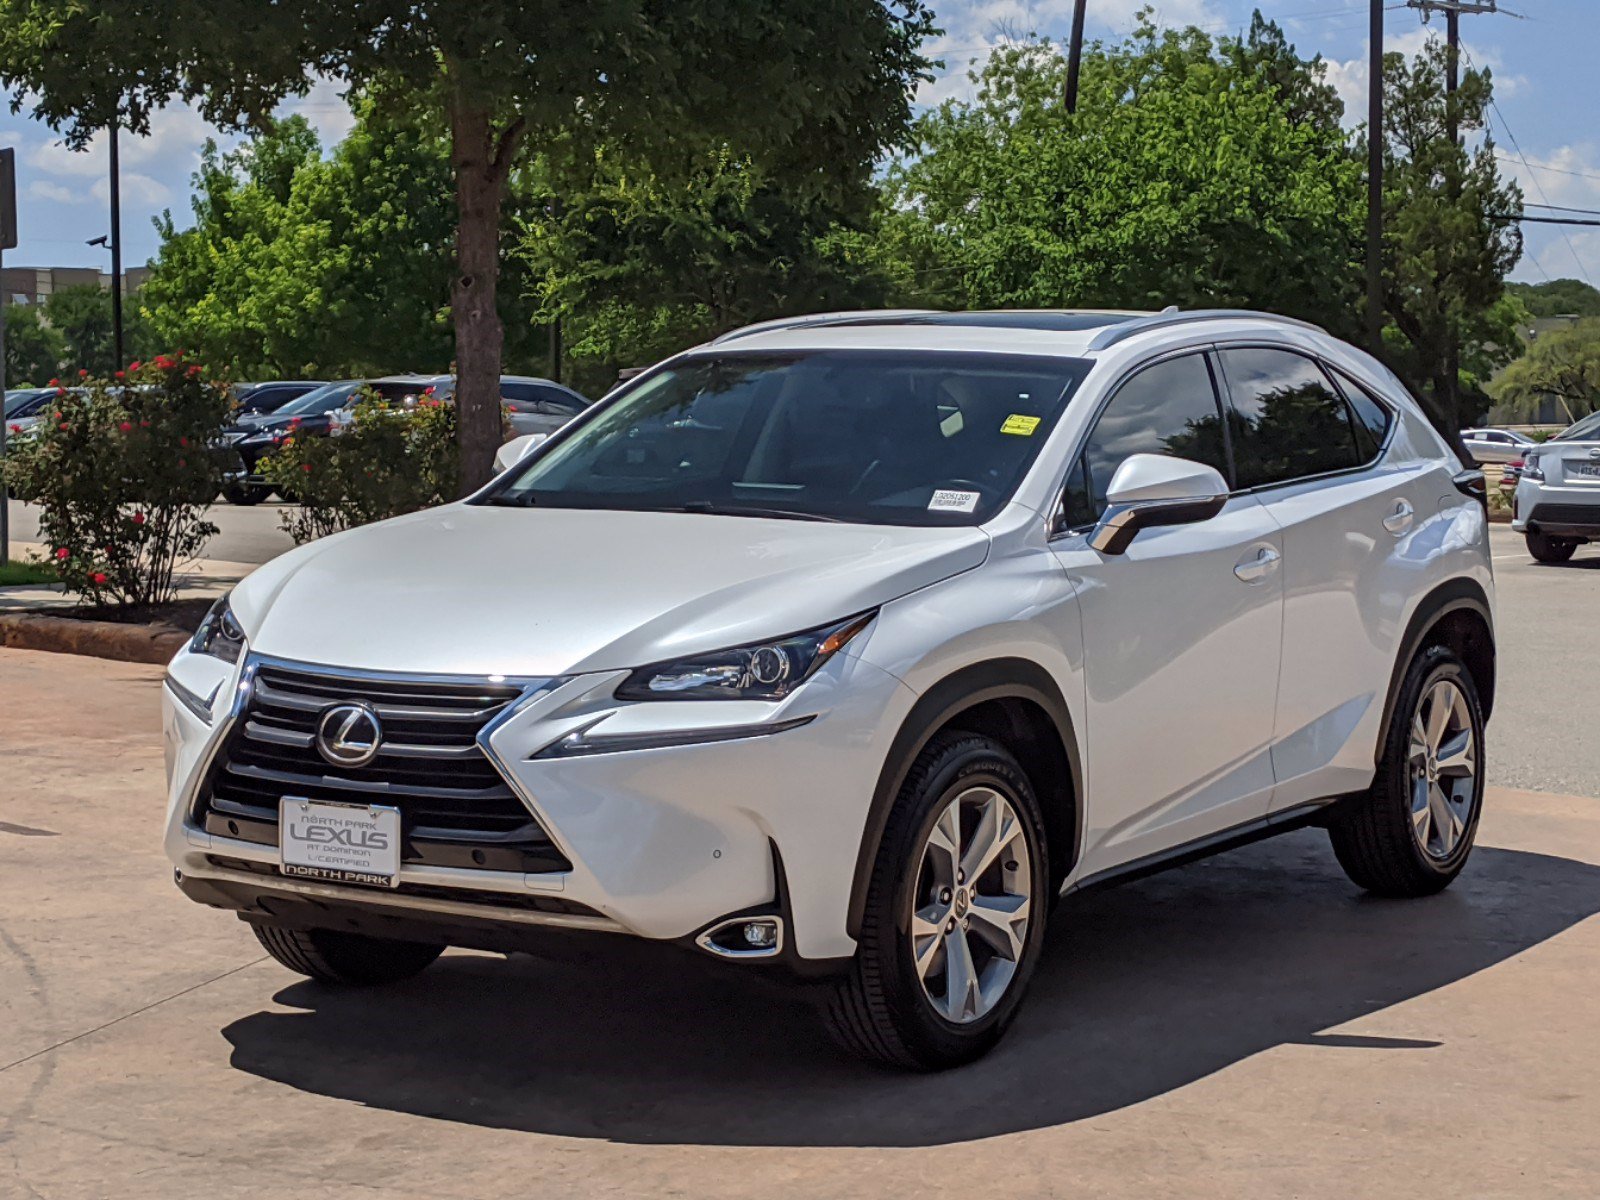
(1557, 501)
(847, 645)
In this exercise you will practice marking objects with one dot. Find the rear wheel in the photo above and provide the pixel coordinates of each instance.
(245, 494)
(955, 912)
(1550, 549)
(1411, 834)
(345, 959)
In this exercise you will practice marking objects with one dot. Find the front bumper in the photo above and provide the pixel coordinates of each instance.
(662, 843)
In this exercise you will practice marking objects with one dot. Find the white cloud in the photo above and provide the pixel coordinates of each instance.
(57, 193)
(1568, 176)
(326, 109)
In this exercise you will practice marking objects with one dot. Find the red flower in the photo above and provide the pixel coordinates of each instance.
(137, 518)
(58, 416)
(16, 429)
(135, 365)
(294, 423)
(183, 462)
(183, 441)
(60, 391)
(306, 467)
(122, 375)
(98, 577)
(144, 424)
(55, 383)
(163, 362)
(194, 370)
(83, 373)
(126, 427)
(63, 554)
(63, 427)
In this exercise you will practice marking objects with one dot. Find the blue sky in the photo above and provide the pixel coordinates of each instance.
(1544, 64)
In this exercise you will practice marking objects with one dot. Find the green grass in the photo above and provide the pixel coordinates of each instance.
(26, 573)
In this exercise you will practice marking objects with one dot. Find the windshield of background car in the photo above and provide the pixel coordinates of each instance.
(323, 400)
(1585, 430)
(882, 437)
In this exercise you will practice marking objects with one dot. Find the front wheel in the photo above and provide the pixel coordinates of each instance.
(1548, 549)
(1411, 834)
(245, 494)
(954, 915)
(345, 959)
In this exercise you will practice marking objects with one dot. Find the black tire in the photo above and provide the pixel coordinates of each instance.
(245, 495)
(1373, 840)
(1548, 549)
(345, 959)
(880, 1010)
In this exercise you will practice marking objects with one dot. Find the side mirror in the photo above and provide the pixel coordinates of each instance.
(516, 450)
(1149, 490)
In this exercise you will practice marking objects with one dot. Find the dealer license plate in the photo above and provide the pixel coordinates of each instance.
(340, 843)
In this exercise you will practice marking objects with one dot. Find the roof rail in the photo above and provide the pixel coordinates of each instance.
(862, 316)
(1112, 334)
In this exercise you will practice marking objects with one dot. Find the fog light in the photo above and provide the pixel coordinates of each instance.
(761, 935)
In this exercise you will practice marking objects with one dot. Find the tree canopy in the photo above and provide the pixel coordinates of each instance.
(1558, 298)
(34, 351)
(1564, 363)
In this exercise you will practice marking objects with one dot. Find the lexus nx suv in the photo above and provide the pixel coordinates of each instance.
(839, 646)
(1557, 502)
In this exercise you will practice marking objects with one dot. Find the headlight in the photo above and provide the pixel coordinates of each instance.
(762, 671)
(219, 634)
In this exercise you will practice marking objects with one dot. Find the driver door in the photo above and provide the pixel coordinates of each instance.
(1181, 633)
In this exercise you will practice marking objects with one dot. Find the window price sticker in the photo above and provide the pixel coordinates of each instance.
(946, 500)
(1020, 425)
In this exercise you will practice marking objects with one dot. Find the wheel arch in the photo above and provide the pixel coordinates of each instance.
(1014, 700)
(1455, 614)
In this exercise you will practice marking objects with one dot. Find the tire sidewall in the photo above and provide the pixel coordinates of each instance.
(972, 762)
(1432, 666)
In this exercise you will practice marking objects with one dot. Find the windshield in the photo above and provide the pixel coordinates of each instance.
(21, 399)
(1584, 430)
(323, 400)
(900, 438)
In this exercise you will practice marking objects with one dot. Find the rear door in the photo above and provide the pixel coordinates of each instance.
(1315, 460)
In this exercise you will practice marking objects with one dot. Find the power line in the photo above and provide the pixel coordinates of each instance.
(1543, 221)
(1593, 212)
(1538, 166)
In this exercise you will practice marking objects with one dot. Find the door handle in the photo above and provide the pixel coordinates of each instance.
(1258, 566)
(1399, 520)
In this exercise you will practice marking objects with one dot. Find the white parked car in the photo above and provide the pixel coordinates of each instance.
(1495, 445)
(846, 645)
(1557, 501)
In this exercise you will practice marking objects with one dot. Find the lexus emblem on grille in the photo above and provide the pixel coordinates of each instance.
(348, 735)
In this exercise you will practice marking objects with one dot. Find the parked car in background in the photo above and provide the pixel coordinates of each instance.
(904, 625)
(531, 404)
(259, 399)
(22, 408)
(252, 438)
(1495, 445)
(1557, 501)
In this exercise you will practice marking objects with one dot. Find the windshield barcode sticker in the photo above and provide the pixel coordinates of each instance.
(945, 500)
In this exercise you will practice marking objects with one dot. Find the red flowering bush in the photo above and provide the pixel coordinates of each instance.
(122, 477)
(389, 460)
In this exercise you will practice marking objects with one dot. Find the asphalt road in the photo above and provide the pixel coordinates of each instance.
(249, 535)
(1250, 1026)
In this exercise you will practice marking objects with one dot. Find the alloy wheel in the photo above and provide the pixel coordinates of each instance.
(1443, 764)
(970, 907)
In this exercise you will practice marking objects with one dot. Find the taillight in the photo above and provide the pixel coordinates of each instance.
(1471, 483)
(1516, 464)
(1531, 468)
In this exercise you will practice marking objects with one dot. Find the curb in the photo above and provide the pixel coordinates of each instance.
(97, 639)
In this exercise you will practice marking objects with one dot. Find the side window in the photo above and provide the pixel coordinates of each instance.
(1373, 416)
(558, 403)
(519, 397)
(1170, 408)
(1287, 420)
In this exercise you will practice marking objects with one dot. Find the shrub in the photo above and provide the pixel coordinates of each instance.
(123, 472)
(388, 461)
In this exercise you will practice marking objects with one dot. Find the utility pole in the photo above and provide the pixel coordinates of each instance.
(1075, 54)
(116, 254)
(8, 241)
(1375, 181)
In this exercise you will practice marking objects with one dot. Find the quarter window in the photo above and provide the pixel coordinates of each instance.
(1373, 416)
(1287, 420)
(1169, 408)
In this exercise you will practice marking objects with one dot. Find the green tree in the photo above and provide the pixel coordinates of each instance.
(1564, 363)
(1558, 298)
(1447, 245)
(1195, 172)
(300, 264)
(34, 351)
(82, 315)
(637, 262)
(828, 76)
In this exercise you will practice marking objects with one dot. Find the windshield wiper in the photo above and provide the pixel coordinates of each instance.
(745, 510)
(511, 500)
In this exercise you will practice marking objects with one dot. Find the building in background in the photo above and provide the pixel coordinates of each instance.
(35, 285)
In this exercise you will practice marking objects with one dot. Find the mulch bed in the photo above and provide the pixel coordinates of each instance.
(147, 633)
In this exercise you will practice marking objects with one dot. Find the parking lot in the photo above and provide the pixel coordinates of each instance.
(1250, 1025)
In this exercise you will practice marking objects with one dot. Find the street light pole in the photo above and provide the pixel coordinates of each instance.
(116, 254)
(1375, 181)
(1075, 54)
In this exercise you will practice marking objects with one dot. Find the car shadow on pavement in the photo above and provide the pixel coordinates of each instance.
(1143, 989)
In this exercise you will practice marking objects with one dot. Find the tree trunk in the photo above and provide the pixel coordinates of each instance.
(480, 171)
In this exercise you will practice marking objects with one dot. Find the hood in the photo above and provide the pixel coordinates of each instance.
(467, 589)
(273, 423)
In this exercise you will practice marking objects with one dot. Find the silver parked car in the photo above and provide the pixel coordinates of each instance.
(1495, 445)
(1557, 503)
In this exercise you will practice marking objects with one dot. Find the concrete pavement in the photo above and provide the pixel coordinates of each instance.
(1248, 1026)
(248, 535)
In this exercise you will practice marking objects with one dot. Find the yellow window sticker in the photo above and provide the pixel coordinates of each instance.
(1018, 424)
